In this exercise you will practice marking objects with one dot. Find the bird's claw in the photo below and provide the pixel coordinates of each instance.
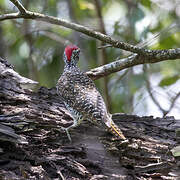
(67, 132)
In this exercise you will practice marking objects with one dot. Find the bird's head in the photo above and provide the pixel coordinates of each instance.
(71, 55)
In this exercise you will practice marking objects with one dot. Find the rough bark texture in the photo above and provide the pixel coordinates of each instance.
(33, 146)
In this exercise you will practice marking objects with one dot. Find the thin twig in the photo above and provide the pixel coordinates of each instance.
(172, 104)
(20, 7)
(145, 56)
(105, 46)
(122, 76)
(149, 90)
(156, 54)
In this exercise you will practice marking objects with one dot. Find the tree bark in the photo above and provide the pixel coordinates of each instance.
(33, 146)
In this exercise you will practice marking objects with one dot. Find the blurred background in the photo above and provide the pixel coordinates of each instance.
(36, 48)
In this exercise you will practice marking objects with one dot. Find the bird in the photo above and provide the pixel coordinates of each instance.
(81, 97)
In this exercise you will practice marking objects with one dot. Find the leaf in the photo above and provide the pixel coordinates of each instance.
(169, 80)
(146, 3)
(167, 42)
(176, 151)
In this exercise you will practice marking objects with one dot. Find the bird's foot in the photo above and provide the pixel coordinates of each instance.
(67, 132)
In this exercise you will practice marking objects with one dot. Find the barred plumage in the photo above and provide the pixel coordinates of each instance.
(80, 95)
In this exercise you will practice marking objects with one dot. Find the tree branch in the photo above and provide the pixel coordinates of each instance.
(121, 64)
(145, 55)
(172, 104)
(157, 54)
(20, 7)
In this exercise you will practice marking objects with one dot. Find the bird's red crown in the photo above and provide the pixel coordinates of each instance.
(68, 51)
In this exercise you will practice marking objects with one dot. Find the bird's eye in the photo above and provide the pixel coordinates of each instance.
(77, 51)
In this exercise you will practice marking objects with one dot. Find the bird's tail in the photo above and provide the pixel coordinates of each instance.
(114, 129)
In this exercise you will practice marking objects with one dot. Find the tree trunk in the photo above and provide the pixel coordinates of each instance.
(33, 146)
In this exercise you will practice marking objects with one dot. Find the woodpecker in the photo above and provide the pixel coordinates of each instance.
(80, 95)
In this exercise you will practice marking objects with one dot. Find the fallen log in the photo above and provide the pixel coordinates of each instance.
(33, 146)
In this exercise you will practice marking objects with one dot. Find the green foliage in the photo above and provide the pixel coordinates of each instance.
(32, 42)
(146, 3)
(167, 81)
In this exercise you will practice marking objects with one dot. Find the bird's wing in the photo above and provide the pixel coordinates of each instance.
(90, 102)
